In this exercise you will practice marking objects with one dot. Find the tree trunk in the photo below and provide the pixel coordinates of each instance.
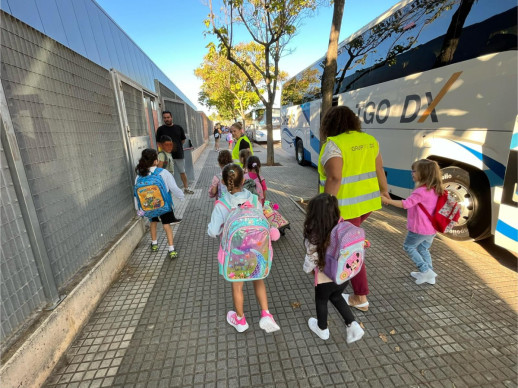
(328, 77)
(270, 159)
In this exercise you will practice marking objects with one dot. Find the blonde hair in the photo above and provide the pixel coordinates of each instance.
(428, 174)
(238, 125)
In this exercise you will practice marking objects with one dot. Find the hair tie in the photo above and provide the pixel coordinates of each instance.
(231, 171)
(254, 164)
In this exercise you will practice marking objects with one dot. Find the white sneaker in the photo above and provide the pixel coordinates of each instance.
(426, 277)
(415, 275)
(239, 324)
(313, 325)
(268, 324)
(354, 332)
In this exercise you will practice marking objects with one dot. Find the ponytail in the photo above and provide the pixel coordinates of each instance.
(149, 155)
(254, 164)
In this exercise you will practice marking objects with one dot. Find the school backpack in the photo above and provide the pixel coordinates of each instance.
(446, 213)
(345, 253)
(254, 186)
(152, 195)
(246, 251)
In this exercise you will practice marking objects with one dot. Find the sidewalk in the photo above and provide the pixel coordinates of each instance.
(162, 324)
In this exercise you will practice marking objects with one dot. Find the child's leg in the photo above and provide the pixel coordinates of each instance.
(237, 296)
(169, 233)
(322, 292)
(412, 241)
(338, 301)
(152, 230)
(424, 250)
(260, 294)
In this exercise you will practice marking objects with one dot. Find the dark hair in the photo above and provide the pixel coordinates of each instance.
(321, 217)
(250, 165)
(166, 111)
(224, 158)
(149, 155)
(165, 138)
(338, 120)
(232, 176)
(244, 155)
(428, 173)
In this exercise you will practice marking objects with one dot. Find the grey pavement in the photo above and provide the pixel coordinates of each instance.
(162, 323)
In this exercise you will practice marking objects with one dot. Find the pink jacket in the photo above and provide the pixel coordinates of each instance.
(417, 221)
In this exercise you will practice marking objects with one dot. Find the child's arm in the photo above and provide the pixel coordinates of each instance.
(217, 220)
(171, 184)
(162, 160)
(213, 189)
(310, 258)
(393, 202)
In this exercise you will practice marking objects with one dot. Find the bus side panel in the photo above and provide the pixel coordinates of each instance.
(313, 140)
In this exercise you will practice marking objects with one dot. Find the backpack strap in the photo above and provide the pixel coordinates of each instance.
(224, 202)
(426, 212)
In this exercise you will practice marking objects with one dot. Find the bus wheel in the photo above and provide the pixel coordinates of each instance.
(299, 152)
(471, 190)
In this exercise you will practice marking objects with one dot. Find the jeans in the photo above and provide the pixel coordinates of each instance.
(417, 247)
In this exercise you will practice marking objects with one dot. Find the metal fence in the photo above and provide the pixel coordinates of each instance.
(65, 187)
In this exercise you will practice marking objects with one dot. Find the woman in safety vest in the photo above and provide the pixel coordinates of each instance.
(350, 167)
(241, 142)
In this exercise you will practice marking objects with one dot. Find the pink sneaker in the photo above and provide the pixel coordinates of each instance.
(267, 323)
(239, 324)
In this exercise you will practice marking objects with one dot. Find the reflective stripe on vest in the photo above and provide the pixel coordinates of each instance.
(359, 189)
(235, 150)
(354, 178)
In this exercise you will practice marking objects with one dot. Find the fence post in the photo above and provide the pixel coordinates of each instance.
(27, 208)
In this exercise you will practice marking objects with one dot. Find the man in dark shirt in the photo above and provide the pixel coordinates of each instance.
(176, 133)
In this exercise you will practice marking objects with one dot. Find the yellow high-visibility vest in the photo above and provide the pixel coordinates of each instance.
(235, 150)
(359, 191)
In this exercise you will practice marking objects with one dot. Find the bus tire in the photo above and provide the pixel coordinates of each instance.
(299, 152)
(471, 189)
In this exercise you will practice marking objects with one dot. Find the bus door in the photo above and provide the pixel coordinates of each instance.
(506, 233)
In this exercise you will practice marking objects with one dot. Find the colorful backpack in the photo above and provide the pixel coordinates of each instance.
(246, 251)
(275, 219)
(446, 213)
(254, 186)
(345, 253)
(152, 195)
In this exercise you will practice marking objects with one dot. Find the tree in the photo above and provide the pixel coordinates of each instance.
(328, 76)
(225, 87)
(270, 24)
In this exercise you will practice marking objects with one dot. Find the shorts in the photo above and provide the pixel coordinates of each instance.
(166, 218)
(180, 165)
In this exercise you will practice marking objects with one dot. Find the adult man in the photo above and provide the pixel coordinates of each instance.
(177, 134)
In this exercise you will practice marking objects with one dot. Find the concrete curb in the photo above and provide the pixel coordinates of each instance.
(36, 358)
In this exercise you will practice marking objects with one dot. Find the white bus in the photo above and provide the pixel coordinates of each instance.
(430, 79)
(256, 131)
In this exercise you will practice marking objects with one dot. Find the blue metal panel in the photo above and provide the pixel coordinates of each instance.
(51, 20)
(86, 30)
(25, 10)
(117, 35)
(69, 22)
(110, 42)
(100, 40)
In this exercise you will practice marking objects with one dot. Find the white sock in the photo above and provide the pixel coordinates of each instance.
(239, 318)
(154, 242)
(171, 248)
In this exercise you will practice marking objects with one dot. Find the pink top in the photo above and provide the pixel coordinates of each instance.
(417, 221)
(253, 175)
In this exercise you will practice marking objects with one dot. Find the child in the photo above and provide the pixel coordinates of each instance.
(165, 160)
(217, 189)
(243, 157)
(254, 167)
(322, 216)
(230, 139)
(233, 179)
(428, 182)
(146, 165)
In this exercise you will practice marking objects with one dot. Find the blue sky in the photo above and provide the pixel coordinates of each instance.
(171, 33)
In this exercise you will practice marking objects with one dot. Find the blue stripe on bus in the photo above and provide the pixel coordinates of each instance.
(314, 142)
(514, 141)
(507, 230)
(495, 166)
(305, 110)
(399, 178)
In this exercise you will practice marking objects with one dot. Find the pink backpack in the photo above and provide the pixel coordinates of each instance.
(258, 187)
(345, 253)
(245, 252)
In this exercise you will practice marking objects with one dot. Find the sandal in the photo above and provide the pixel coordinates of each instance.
(361, 306)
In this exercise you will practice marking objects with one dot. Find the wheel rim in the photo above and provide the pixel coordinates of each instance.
(463, 196)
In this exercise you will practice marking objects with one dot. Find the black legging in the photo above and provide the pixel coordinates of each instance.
(325, 292)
